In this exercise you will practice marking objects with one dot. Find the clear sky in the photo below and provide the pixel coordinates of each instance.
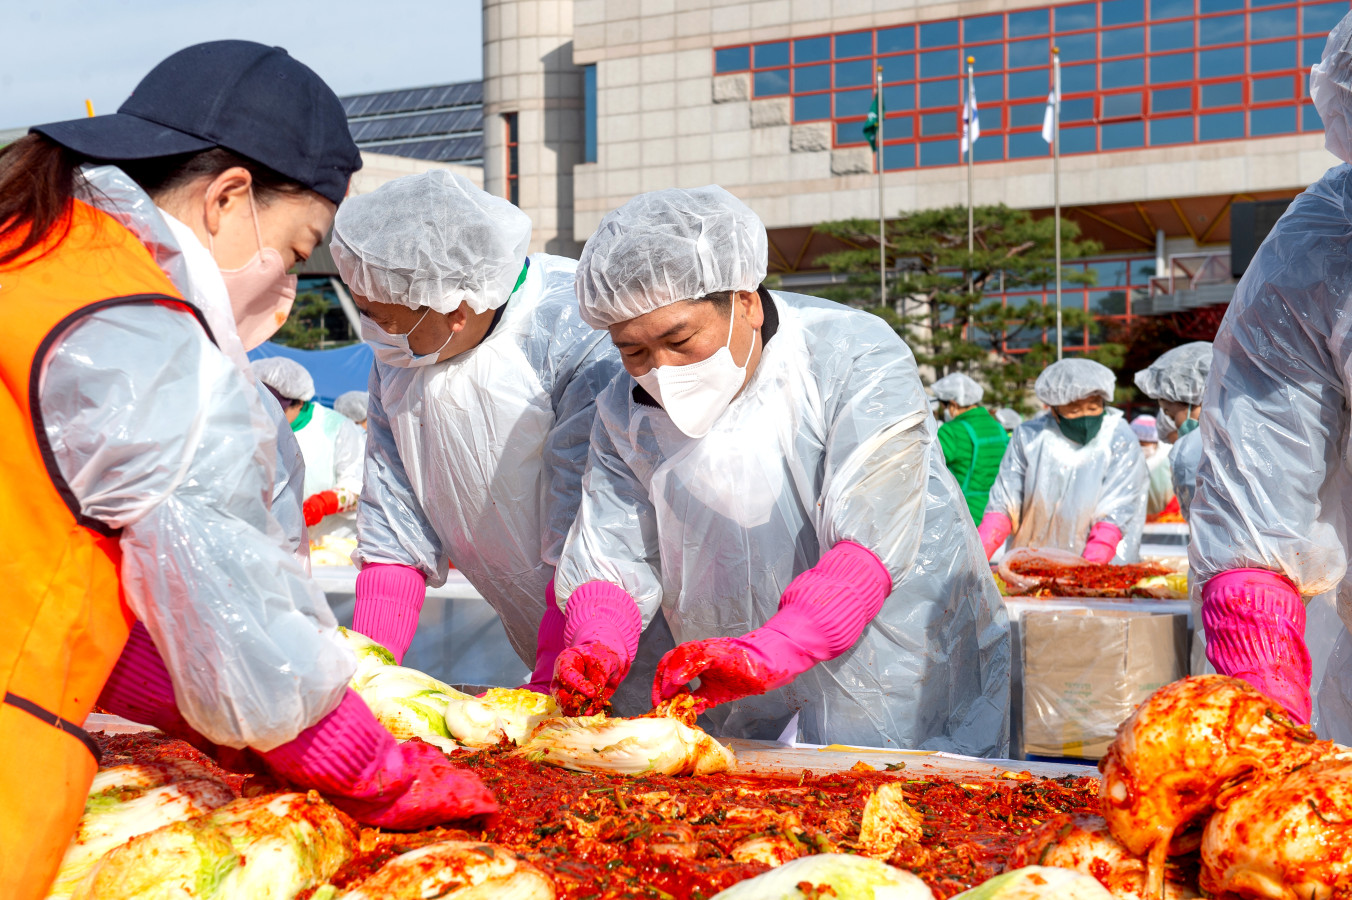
(56, 53)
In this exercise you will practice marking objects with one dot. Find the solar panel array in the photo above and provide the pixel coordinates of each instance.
(443, 123)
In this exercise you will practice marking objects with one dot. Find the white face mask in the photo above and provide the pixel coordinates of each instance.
(695, 395)
(1165, 427)
(393, 349)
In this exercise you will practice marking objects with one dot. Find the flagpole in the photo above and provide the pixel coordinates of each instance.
(882, 240)
(1056, 183)
(971, 152)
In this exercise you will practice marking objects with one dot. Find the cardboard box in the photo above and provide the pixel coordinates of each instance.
(1085, 671)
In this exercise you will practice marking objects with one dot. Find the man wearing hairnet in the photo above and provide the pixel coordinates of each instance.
(1270, 519)
(333, 448)
(1074, 479)
(766, 476)
(481, 403)
(972, 440)
(1176, 380)
(353, 404)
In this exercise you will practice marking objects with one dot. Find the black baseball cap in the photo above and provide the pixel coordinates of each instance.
(246, 97)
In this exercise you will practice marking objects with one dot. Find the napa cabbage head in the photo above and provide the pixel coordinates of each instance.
(849, 877)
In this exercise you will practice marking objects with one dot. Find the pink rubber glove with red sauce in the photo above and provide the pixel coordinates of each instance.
(821, 615)
(389, 600)
(601, 629)
(549, 644)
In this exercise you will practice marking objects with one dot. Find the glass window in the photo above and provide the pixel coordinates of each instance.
(1077, 79)
(1164, 132)
(898, 68)
(811, 49)
(1170, 9)
(589, 113)
(1271, 57)
(1142, 270)
(1108, 303)
(1220, 126)
(1028, 23)
(1124, 42)
(989, 87)
(851, 74)
(773, 83)
(811, 78)
(938, 34)
(1229, 93)
(1321, 18)
(940, 93)
(1078, 140)
(899, 127)
(1311, 50)
(939, 64)
(1219, 63)
(1078, 17)
(1078, 110)
(1018, 338)
(768, 55)
(1173, 36)
(938, 124)
(992, 118)
(988, 57)
(899, 98)
(980, 29)
(1028, 115)
(1220, 30)
(1119, 106)
(812, 108)
(1123, 73)
(939, 153)
(848, 46)
(898, 156)
(1270, 90)
(1273, 23)
(894, 40)
(853, 103)
(1023, 54)
(1076, 47)
(1121, 135)
(1215, 6)
(989, 147)
(1030, 84)
(732, 59)
(1274, 120)
(850, 132)
(1108, 273)
(1309, 118)
(1123, 12)
(1171, 100)
(1171, 67)
(1026, 144)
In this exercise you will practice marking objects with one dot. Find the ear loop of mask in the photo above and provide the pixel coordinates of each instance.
(258, 232)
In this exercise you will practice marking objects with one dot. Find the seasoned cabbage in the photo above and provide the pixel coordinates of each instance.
(627, 747)
(836, 875)
(455, 870)
(409, 703)
(1038, 883)
(500, 713)
(371, 657)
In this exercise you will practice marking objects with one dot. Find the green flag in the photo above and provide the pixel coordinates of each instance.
(871, 123)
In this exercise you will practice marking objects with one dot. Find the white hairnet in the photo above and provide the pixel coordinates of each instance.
(353, 404)
(1331, 89)
(1179, 375)
(1008, 418)
(285, 376)
(1145, 430)
(667, 246)
(1074, 379)
(431, 240)
(958, 388)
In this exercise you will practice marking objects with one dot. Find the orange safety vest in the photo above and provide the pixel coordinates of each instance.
(65, 621)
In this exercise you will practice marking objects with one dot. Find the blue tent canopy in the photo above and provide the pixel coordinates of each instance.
(334, 371)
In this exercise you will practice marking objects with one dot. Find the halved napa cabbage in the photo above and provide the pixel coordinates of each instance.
(1038, 883)
(627, 747)
(455, 870)
(371, 657)
(409, 703)
(500, 713)
(848, 877)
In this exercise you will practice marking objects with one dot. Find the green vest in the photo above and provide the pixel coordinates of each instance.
(973, 445)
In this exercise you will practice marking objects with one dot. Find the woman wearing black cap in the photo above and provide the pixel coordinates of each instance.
(141, 255)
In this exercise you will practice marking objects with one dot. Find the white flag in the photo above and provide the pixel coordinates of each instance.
(1049, 118)
(971, 121)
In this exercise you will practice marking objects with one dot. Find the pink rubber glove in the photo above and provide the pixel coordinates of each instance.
(389, 599)
(994, 529)
(1102, 544)
(601, 630)
(359, 767)
(548, 644)
(821, 615)
(1255, 630)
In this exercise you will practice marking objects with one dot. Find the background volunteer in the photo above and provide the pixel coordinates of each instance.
(481, 405)
(145, 471)
(1270, 520)
(973, 441)
(1074, 479)
(1161, 488)
(332, 445)
(1177, 380)
(354, 405)
(766, 476)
